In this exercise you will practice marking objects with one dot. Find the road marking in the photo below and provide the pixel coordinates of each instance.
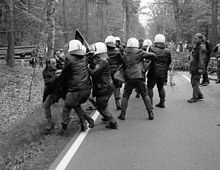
(187, 78)
(74, 147)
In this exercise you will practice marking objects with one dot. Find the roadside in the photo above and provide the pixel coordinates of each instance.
(23, 143)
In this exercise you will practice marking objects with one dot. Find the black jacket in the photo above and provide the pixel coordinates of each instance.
(101, 77)
(115, 59)
(50, 81)
(160, 66)
(133, 60)
(77, 71)
(199, 55)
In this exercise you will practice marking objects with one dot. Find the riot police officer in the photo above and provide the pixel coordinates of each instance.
(157, 73)
(79, 86)
(115, 60)
(135, 76)
(103, 86)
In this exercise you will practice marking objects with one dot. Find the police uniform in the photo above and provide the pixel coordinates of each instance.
(103, 88)
(79, 86)
(135, 77)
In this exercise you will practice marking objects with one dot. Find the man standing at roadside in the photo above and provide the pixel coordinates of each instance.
(217, 51)
(205, 80)
(49, 98)
(197, 67)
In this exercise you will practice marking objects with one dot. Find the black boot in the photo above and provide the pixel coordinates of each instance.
(50, 125)
(89, 120)
(151, 115)
(112, 124)
(118, 106)
(161, 105)
(200, 97)
(63, 131)
(83, 125)
(122, 116)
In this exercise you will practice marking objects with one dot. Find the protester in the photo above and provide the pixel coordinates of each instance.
(135, 76)
(205, 80)
(49, 98)
(217, 51)
(119, 46)
(59, 60)
(197, 67)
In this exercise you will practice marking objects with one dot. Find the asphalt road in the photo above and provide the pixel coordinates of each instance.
(182, 136)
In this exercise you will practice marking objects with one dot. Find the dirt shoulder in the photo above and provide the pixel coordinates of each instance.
(23, 142)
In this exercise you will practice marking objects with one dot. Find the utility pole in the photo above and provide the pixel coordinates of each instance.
(214, 34)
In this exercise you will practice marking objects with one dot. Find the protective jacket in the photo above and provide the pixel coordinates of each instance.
(198, 58)
(78, 73)
(133, 63)
(101, 77)
(115, 59)
(160, 66)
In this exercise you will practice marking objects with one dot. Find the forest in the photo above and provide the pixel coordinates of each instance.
(50, 24)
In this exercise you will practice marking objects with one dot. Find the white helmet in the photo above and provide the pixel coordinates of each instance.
(159, 38)
(84, 48)
(147, 42)
(117, 39)
(100, 47)
(133, 42)
(110, 41)
(75, 47)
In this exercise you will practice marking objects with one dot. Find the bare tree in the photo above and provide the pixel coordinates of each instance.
(10, 49)
(214, 21)
(65, 29)
(51, 27)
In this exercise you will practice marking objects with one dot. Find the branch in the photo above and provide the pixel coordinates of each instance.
(29, 15)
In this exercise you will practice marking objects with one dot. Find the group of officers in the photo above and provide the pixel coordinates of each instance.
(90, 73)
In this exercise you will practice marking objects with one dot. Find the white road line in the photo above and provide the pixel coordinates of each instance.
(187, 78)
(74, 147)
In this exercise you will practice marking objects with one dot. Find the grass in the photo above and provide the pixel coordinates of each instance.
(23, 143)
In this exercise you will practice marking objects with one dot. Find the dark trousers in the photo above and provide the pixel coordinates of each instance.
(74, 100)
(195, 79)
(140, 85)
(50, 100)
(102, 106)
(218, 68)
(151, 82)
(117, 86)
(205, 74)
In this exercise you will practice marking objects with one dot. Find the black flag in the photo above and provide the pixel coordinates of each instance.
(79, 36)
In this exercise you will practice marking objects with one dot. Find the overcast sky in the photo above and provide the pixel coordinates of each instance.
(143, 18)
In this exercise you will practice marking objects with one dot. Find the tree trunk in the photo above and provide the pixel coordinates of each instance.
(124, 21)
(176, 15)
(51, 27)
(65, 30)
(86, 19)
(126, 5)
(10, 49)
(214, 22)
